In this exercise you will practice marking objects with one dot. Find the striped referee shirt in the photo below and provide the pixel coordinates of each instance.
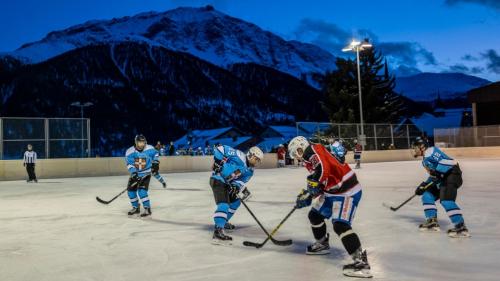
(29, 157)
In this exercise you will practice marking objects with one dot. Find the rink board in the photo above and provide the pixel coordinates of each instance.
(55, 230)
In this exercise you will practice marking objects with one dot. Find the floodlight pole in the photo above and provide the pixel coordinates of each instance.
(360, 98)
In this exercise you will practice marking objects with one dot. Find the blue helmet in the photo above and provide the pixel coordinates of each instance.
(338, 151)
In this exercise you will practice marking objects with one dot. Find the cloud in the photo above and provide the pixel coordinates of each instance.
(492, 61)
(495, 4)
(459, 68)
(469, 57)
(404, 70)
(407, 55)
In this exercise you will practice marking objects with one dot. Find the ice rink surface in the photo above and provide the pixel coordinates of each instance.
(55, 230)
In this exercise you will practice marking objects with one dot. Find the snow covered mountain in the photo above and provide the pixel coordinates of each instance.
(427, 86)
(203, 32)
(153, 90)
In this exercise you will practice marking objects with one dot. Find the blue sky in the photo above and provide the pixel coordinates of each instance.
(425, 35)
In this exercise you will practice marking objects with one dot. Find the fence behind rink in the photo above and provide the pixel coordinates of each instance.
(50, 137)
(377, 136)
(468, 136)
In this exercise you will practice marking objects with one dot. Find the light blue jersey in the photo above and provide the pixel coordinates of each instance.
(141, 161)
(234, 169)
(437, 162)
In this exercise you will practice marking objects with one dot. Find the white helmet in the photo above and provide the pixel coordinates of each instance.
(296, 143)
(257, 152)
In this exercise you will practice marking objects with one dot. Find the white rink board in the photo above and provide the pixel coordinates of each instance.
(55, 230)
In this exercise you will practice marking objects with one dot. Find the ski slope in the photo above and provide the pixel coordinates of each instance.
(55, 230)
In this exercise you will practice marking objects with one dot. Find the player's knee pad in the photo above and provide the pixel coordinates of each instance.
(349, 238)
(317, 224)
(315, 218)
(142, 192)
(428, 198)
(234, 205)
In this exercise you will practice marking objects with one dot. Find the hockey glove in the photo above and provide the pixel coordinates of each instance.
(155, 167)
(423, 187)
(134, 177)
(313, 187)
(233, 190)
(218, 165)
(304, 199)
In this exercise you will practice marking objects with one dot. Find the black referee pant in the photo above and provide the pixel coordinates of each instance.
(30, 168)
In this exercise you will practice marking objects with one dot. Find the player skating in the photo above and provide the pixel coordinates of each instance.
(445, 177)
(232, 169)
(140, 159)
(155, 169)
(336, 193)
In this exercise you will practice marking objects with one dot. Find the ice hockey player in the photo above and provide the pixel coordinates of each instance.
(155, 168)
(445, 177)
(338, 151)
(232, 169)
(140, 160)
(334, 192)
(358, 149)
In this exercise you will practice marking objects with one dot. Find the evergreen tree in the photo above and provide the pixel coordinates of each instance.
(380, 103)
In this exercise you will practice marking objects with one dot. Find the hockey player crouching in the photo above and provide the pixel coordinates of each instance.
(232, 169)
(334, 192)
(445, 177)
(140, 159)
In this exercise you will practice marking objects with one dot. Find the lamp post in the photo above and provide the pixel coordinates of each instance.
(356, 46)
(82, 105)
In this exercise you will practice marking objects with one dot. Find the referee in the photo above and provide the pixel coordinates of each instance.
(29, 163)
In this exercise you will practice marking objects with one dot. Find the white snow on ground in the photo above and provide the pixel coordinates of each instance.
(55, 230)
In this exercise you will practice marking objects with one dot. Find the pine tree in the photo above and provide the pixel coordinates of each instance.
(380, 103)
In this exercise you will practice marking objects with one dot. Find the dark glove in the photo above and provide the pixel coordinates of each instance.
(233, 190)
(217, 167)
(24, 164)
(422, 188)
(135, 178)
(155, 167)
(304, 199)
(313, 187)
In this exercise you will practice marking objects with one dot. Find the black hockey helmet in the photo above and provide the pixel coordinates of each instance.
(140, 138)
(419, 141)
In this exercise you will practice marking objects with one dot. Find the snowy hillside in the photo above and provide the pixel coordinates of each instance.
(426, 86)
(202, 32)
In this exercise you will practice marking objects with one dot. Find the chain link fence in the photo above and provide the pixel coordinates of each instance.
(50, 137)
(376, 136)
(468, 136)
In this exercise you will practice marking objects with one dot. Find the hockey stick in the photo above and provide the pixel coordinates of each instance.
(112, 199)
(119, 194)
(394, 209)
(269, 236)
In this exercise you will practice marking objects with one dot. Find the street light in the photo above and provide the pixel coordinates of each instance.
(82, 105)
(357, 46)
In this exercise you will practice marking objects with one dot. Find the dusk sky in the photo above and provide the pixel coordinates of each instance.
(416, 35)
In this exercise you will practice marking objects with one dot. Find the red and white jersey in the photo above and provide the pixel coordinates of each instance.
(336, 178)
(358, 148)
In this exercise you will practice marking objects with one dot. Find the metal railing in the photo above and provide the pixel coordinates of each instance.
(468, 136)
(50, 137)
(377, 136)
